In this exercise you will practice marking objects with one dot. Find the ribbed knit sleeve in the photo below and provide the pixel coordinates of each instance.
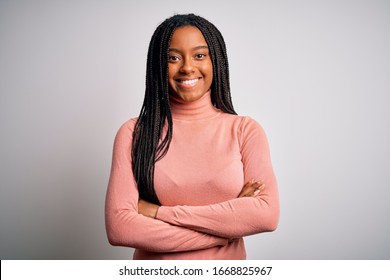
(125, 227)
(241, 216)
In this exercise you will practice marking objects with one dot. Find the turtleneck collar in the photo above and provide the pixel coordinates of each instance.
(199, 109)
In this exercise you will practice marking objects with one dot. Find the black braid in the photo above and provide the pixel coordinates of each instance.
(150, 144)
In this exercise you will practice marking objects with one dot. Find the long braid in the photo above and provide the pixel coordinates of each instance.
(153, 130)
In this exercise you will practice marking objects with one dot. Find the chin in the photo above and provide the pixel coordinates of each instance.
(191, 97)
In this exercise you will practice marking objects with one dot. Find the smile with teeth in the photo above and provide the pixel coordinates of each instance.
(188, 83)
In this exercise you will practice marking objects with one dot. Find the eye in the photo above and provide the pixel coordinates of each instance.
(200, 56)
(173, 58)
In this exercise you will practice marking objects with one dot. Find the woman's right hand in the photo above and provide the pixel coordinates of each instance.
(252, 188)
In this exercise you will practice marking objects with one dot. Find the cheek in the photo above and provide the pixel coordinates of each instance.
(170, 72)
(210, 68)
(209, 72)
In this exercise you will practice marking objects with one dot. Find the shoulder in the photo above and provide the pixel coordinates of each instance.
(128, 125)
(249, 124)
(245, 124)
(250, 130)
(125, 131)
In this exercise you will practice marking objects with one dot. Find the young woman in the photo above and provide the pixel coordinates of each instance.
(190, 178)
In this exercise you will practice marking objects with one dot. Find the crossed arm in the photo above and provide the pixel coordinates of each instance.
(126, 227)
(255, 210)
(135, 223)
(248, 214)
(250, 189)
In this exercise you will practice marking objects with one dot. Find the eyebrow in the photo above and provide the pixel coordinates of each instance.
(194, 49)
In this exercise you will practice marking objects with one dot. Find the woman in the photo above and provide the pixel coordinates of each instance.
(189, 177)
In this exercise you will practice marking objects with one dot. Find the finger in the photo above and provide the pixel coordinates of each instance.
(261, 186)
(259, 190)
(256, 189)
(249, 189)
(244, 189)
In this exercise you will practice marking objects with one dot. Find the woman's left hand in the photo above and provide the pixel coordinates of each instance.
(147, 209)
(252, 188)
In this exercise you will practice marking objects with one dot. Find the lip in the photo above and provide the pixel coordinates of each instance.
(187, 82)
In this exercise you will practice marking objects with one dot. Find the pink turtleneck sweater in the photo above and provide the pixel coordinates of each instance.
(211, 156)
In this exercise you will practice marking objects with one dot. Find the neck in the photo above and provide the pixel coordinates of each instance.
(198, 109)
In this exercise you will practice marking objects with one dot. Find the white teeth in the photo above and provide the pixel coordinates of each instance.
(189, 82)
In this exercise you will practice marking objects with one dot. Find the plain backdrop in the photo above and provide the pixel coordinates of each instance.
(315, 74)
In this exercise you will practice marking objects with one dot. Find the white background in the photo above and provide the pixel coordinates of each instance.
(315, 74)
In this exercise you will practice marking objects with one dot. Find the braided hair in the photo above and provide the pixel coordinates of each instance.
(149, 144)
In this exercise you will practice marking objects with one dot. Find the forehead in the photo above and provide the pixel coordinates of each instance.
(187, 37)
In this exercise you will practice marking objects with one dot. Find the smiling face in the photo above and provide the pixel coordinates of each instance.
(190, 70)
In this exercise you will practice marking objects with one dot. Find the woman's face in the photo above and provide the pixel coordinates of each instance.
(190, 70)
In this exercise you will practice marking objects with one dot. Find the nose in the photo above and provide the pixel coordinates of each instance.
(187, 66)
